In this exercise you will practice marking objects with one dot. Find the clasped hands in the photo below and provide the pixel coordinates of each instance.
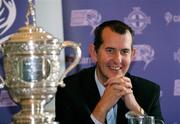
(119, 87)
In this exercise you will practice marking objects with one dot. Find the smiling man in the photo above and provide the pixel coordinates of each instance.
(106, 92)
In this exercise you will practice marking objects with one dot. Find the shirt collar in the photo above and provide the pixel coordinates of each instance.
(101, 88)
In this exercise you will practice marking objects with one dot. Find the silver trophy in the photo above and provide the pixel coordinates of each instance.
(33, 71)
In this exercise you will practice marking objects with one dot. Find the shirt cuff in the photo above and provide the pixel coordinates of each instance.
(95, 120)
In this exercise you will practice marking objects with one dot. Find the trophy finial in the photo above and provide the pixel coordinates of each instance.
(30, 13)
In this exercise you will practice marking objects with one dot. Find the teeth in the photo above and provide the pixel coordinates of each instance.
(115, 68)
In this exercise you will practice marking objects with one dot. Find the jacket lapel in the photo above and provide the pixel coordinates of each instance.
(90, 90)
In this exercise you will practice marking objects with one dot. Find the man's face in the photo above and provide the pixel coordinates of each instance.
(114, 55)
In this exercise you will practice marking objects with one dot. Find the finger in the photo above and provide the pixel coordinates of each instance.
(128, 82)
(122, 82)
(120, 88)
(125, 92)
(117, 79)
(126, 79)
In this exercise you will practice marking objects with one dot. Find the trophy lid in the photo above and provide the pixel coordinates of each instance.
(30, 32)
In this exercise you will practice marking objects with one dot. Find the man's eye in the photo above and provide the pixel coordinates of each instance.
(125, 51)
(110, 50)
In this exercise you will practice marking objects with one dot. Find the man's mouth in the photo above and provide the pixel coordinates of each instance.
(115, 68)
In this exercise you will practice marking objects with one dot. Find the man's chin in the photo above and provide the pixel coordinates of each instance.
(116, 73)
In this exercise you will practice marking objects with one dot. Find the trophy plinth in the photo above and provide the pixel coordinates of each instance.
(33, 71)
(33, 113)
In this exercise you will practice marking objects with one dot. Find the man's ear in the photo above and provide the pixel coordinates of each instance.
(133, 54)
(92, 52)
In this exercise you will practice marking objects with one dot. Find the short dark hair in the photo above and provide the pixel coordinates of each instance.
(115, 25)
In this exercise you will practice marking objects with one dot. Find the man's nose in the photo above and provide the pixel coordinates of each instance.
(117, 57)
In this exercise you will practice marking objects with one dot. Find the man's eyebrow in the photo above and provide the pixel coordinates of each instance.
(125, 49)
(109, 48)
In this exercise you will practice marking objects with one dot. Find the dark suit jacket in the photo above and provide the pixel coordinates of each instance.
(75, 102)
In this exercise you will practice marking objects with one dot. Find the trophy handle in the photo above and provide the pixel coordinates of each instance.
(76, 48)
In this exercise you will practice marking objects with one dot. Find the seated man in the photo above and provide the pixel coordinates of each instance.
(106, 92)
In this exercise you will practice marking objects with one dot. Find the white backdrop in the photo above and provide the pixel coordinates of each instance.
(49, 17)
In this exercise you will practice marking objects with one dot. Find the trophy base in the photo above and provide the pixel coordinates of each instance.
(45, 118)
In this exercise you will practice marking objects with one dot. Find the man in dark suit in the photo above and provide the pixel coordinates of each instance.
(106, 92)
